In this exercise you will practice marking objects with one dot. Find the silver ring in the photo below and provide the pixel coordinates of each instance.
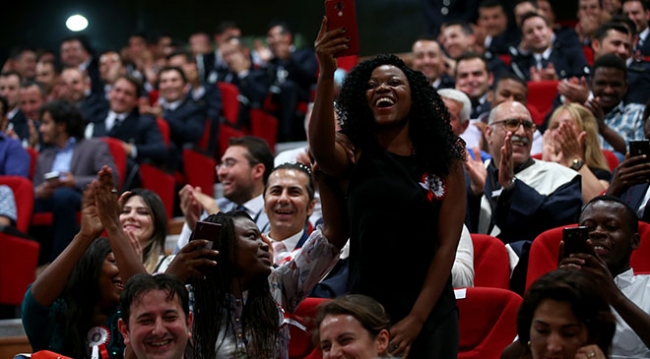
(591, 355)
(113, 190)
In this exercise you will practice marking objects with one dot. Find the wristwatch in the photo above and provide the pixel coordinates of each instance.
(577, 164)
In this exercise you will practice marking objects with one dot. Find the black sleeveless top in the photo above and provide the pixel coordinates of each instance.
(394, 234)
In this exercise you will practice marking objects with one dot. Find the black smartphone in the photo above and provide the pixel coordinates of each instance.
(575, 240)
(640, 147)
(208, 231)
(341, 13)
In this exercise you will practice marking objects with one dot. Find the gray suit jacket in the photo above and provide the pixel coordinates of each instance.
(87, 159)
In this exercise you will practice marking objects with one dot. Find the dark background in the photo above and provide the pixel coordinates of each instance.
(384, 25)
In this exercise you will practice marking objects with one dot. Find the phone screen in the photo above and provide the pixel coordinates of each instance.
(575, 240)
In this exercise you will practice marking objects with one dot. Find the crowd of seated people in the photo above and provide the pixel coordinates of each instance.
(402, 170)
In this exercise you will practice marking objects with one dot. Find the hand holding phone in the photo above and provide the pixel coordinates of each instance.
(342, 14)
(575, 241)
(641, 147)
(208, 231)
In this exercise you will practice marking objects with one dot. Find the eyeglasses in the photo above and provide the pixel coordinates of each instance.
(231, 162)
(512, 124)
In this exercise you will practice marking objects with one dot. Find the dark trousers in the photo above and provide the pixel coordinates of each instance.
(64, 205)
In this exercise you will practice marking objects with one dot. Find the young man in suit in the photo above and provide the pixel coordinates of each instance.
(639, 11)
(72, 163)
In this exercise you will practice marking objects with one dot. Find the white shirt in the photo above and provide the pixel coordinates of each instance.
(544, 55)
(626, 344)
(643, 36)
(172, 106)
(284, 248)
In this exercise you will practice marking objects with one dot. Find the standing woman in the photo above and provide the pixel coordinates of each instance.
(402, 169)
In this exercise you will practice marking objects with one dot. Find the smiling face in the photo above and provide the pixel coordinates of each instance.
(611, 233)
(634, 10)
(609, 84)
(238, 175)
(110, 283)
(555, 331)
(427, 58)
(509, 90)
(157, 326)
(537, 34)
(614, 42)
(493, 20)
(136, 217)
(123, 96)
(456, 41)
(473, 78)
(286, 202)
(10, 89)
(521, 139)
(76, 84)
(31, 101)
(343, 336)
(46, 75)
(253, 257)
(172, 86)
(389, 95)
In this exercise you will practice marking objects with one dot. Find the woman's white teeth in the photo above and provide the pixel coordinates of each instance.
(384, 102)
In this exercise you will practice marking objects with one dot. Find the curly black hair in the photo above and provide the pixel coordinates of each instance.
(435, 144)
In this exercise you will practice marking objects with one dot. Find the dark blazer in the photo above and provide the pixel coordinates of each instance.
(634, 196)
(97, 85)
(93, 106)
(435, 16)
(301, 69)
(140, 131)
(496, 66)
(568, 62)
(645, 47)
(254, 86)
(501, 44)
(19, 123)
(638, 79)
(446, 82)
(567, 37)
(186, 123)
(88, 158)
(210, 102)
(211, 70)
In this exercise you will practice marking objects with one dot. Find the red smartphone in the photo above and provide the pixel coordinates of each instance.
(208, 231)
(575, 240)
(341, 13)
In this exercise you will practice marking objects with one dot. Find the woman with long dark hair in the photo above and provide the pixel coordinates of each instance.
(401, 167)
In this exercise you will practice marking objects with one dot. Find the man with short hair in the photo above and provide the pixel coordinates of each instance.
(199, 43)
(78, 91)
(590, 16)
(518, 197)
(24, 60)
(621, 123)
(639, 12)
(155, 311)
(32, 97)
(47, 74)
(76, 162)
(244, 171)
(492, 18)
(544, 61)
(427, 58)
(293, 73)
(211, 65)
(17, 126)
(474, 79)
(76, 53)
(111, 67)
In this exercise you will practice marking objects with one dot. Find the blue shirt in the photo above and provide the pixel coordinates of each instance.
(63, 157)
(14, 160)
(627, 121)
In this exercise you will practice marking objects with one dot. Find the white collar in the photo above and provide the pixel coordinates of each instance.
(624, 279)
(544, 55)
(254, 206)
(118, 116)
(436, 83)
(84, 65)
(643, 35)
(13, 112)
(170, 105)
(289, 243)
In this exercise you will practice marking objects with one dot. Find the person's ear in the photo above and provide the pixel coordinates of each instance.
(464, 125)
(381, 341)
(595, 46)
(488, 133)
(124, 329)
(490, 95)
(636, 239)
(190, 321)
(258, 171)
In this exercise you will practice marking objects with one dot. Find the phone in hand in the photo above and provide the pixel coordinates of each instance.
(341, 13)
(52, 176)
(575, 240)
(640, 147)
(208, 231)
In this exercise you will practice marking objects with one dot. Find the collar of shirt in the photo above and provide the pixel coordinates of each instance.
(436, 83)
(620, 108)
(629, 61)
(172, 106)
(84, 65)
(11, 114)
(624, 279)
(644, 34)
(254, 206)
(72, 141)
(198, 93)
(487, 42)
(289, 242)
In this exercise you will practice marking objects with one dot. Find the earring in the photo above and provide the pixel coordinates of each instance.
(529, 344)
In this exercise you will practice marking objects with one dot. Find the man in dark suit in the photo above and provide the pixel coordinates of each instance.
(17, 126)
(71, 164)
(211, 65)
(294, 73)
(140, 135)
(427, 58)
(474, 79)
(78, 91)
(639, 11)
(546, 61)
(186, 119)
(493, 20)
(76, 53)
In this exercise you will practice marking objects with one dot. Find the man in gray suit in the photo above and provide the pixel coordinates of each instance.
(244, 170)
(65, 168)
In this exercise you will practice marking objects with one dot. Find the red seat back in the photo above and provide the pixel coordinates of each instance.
(33, 155)
(153, 97)
(488, 321)
(199, 171)
(23, 190)
(119, 156)
(612, 160)
(229, 98)
(347, 63)
(18, 260)
(225, 133)
(491, 264)
(541, 95)
(300, 344)
(506, 59)
(163, 127)
(160, 182)
(537, 117)
(589, 55)
(265, 126)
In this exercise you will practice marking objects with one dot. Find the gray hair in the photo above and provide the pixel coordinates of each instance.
(461, 98)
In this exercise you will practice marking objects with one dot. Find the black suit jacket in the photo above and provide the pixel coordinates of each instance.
(210, 102)
(140, 131)
(435, 16)
(186, 123)
(211, 70)
(19, 123)
(446, 82)
(93, 106)
(638, 79)
(501, 44)
(254, 86)
(301, 69)
(568, 62)
(97, 85)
